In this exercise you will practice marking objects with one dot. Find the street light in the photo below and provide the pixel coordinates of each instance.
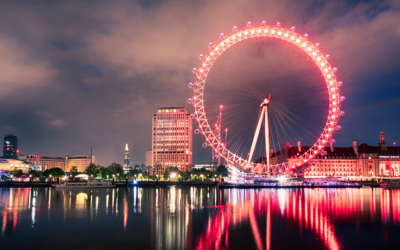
(215, 177)
(107, 177)
(201, 176)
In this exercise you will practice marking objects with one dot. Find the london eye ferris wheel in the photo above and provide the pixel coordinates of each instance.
(280, 85)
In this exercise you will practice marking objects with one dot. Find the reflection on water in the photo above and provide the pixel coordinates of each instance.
(201, 218)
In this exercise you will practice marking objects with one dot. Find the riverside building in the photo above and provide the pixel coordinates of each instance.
(76, 163)
(171, 139)
(352, 163)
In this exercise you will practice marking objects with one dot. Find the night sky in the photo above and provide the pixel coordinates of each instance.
(81, 74)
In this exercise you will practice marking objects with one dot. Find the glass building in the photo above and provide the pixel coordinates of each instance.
(10, 148)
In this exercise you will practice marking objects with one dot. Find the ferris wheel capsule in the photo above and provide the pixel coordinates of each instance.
(324, 153)
(189, 100)
(205, 145)
(317, 44)
(293, 28)
(338, 127)
(342, 98)
(210, 45)
(201, 56)
(335, 69)
(278, 24)
(221, 36)
(234, 28)
(340, 83)
(192, 116)
(215, 156)
(264, 23)
(341, 113)
(305, 35)
(333, 140)
(313, 162)
(194, 70)
(197, 131)
(248, 24)
(327, 56)
(190, 85)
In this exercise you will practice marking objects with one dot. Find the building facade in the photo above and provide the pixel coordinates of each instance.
(7, 164)
(352, 163)
(10, 147)
(77, 163)
(171, 139)
(149, 158)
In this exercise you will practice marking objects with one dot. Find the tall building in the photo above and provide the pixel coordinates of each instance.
(127, 163)
(10, 148)
(171, 139)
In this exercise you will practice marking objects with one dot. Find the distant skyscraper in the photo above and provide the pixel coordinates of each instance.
(10, 148)
(127, 163)
(172, 138)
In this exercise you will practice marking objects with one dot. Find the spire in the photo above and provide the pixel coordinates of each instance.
(382, 141)
(126, 147)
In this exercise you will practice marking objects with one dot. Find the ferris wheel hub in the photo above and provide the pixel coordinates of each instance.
(266, 101)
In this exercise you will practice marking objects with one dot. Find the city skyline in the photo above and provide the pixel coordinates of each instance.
(97, 79)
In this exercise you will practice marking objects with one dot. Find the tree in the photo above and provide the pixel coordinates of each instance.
(131, 173)
(17, 173)
(35, 174)
(103, 172)
(136, 167)
(117, 170)
(157, 167)
(185, 175)
(148, 169)
(54, 172)
(222, 171)
(91, 170)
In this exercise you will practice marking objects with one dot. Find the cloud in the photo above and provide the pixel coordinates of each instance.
(57, 123)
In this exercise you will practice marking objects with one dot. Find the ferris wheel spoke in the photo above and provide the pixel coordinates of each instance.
(299, 125)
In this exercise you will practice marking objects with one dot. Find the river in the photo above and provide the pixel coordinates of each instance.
(199, 218)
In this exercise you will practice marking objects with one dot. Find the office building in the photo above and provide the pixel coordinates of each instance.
(10, 147)
(171, 139)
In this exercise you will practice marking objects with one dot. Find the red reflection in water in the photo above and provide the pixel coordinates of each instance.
(313, 208)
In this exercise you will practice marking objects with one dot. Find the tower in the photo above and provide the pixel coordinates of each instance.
(382, 141)
(172, 139)
(127, 163)
(10, 148)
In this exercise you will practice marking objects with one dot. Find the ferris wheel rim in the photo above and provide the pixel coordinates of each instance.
(302, 42)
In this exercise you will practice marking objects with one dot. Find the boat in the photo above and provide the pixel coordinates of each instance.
(390, 184)
(86, 184)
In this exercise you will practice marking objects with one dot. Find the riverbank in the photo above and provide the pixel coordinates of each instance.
(16, 184)
(130, 183)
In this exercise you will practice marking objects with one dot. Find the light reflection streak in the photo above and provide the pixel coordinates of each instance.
(134, 199)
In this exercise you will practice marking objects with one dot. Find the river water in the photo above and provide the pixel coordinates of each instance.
(199, 218)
